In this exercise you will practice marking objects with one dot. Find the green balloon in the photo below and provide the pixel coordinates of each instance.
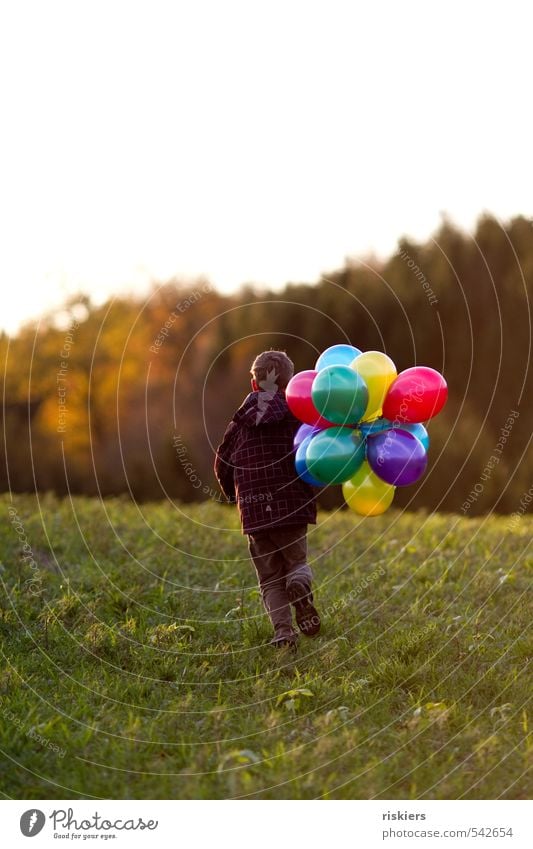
(335, 454)
(340, 394)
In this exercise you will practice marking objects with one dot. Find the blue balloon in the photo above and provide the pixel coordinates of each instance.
(301, 464)
(417, 430)
(376, 426)
(337, 355)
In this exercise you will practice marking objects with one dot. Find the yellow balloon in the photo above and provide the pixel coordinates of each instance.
(367, 494)
(378, 371)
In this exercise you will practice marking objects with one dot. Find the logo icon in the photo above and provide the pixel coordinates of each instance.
(32, 822)
(268, 389)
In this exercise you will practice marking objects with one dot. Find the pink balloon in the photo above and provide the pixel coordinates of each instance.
(417, 394)
(298, 394)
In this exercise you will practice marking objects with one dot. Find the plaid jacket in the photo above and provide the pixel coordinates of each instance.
(254, 465)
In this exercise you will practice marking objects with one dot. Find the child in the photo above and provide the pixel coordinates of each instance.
(254, 466)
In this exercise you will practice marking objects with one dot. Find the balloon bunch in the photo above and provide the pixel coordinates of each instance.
(362, 424)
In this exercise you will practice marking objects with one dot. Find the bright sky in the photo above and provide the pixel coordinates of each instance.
(248, 141)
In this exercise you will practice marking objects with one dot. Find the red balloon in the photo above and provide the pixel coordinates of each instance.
(298, 394)
(417, 394)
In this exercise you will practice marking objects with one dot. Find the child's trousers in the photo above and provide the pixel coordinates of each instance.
(280, 557)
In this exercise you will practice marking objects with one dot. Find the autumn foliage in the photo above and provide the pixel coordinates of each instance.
(133, 395)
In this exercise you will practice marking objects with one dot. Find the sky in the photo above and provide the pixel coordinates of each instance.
(248, 141)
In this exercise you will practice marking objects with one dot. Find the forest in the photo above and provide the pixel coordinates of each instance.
(132, 396)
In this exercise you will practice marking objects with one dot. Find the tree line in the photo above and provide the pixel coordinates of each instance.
(132, 396)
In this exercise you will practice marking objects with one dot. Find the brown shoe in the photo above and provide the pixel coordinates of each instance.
(290, 643)
(307, 616)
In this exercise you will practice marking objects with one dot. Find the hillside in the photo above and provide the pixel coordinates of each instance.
(136, 662)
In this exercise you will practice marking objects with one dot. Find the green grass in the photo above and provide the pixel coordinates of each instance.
(138, 649)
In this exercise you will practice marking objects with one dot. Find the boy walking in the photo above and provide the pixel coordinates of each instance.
(254, 466)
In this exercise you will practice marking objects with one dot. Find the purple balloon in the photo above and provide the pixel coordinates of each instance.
(397, 457)
(302, 433)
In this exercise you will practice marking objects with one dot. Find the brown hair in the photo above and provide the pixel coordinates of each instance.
(272, 369)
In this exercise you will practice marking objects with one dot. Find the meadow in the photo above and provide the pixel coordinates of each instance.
(136, 661)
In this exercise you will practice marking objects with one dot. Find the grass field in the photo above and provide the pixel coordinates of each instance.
(136, 662)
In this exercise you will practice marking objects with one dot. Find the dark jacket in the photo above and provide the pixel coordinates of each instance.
(254, 465)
